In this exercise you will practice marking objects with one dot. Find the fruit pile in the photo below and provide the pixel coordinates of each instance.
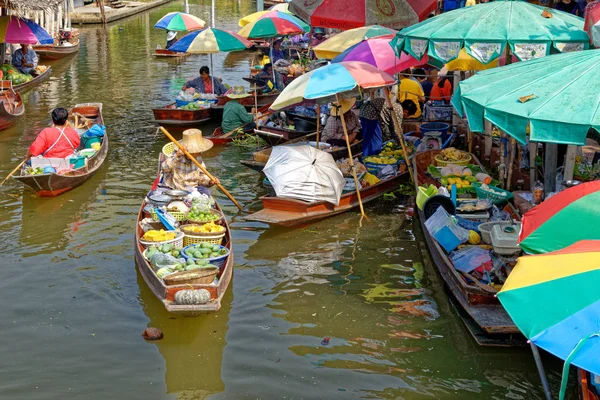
(459, 182)
(210, 227)
(391, 149)
(165, 249)
(204, 250)
(380, 160)
(202, 216)
(191, 107)
(34, 171)
(188, 265)
(451, 154)
(159, 236)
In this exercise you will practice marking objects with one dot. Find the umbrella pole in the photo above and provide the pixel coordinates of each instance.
(362, 210)
(399, 132)
(540, 368)
(318, 124)
(512, 156)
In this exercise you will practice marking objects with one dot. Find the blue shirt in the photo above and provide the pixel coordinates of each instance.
(30, 58)
(198, 85)
(277, 55)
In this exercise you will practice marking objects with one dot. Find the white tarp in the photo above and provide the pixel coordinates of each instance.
(304, 173)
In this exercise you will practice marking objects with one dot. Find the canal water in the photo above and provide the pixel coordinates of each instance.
(74, 305)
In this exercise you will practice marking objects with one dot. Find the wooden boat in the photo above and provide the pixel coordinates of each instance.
(166, 294)
(169, 53)
(170, 115)
(37, 79)
(481, 311)
(275, 136)
(586, 389)
(12, 106)
(50, 185)
(263, 99)
(289, 212)
(260, 157)
(56, 52)
(217, 139)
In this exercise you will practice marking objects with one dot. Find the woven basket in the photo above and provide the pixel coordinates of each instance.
(493, 197)
(177, 242)
(179, 216)
(463, 163)
(200, 276)
(193, 239)
(168, 149)
(216, 212)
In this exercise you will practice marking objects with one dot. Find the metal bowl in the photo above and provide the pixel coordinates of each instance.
(176, 194)
(160, 200)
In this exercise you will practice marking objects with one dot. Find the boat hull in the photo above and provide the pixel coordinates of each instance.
(169, 54)
(290, 212)
(52, 185)
(218, 139)
(56, 52)
(24, 86)
(11, 105)
(276, 136)
(170, 115)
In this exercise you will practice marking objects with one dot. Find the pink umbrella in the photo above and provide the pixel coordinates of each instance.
(378, 52)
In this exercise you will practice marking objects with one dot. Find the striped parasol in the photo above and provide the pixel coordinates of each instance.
(211, 40)
(179, 21)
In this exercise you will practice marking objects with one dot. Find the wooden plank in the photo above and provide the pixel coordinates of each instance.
(550, 167)
(570, 162)
(487, 131)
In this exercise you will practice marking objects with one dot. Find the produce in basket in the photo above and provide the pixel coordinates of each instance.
(199, 216)
(451, 154)
(210, 227)
(205, 250)
(165, 249)
(159, 236)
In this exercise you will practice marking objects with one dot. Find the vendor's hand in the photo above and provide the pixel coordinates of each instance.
(216, 181)
(253, 111)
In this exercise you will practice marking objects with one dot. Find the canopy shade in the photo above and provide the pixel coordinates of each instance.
(330, 80)
(210, 40)
(248, 19)
(486, 29)
(348, 14)
(22, 31)
(179, 21)
(565, 103)
(340, 42)
(273, 24)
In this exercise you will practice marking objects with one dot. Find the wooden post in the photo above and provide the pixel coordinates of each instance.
(550, 168)
(455, 117)
(512, 153)
(532, 171)
(343, 119)
(470, 138)
(318, 124)
(570, 162)
(399, 133)
(502, 166)
(487, 131)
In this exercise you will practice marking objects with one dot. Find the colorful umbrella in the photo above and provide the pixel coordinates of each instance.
(284, 7)
(248, 19)
(562, 220)
(273, 24)
(178, 21)
(554, 300)
(21, 30)
(210, 40)
(348, 14)
(338, 43)
(330, 80)
(378, 52)
(564, 105)
(486, 30)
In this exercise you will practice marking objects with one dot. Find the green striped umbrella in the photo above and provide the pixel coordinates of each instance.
(274, 24)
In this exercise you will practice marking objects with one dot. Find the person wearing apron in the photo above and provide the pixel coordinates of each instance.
(59, 141)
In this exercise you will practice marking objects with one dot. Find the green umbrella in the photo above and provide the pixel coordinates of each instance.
(555, 97)
(486, 29)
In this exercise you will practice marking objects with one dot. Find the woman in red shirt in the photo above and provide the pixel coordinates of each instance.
(59, 141)
(441, 90)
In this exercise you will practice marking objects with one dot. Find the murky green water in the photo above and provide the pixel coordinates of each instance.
(74, 306)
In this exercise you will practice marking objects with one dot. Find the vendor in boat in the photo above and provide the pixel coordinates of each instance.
(333, 133)
(25, 59)
(205, 83)
(58, 141)
(276, 52)
(410, 90)
(318, 37)
(179, 171)
(235, 115)
(171, 38)
(265, 78)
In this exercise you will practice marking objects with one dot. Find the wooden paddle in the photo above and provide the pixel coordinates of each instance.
(211, 177)
(13, 171)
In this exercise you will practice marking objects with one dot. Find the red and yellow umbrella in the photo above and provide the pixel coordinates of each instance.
(565, 218)
(273, 24)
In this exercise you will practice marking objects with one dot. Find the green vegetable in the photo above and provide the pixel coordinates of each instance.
(163, 271)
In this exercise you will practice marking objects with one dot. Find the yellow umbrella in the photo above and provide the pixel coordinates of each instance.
(248, 19)
(465, 62)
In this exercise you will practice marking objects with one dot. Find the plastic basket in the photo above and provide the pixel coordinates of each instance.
(179, 216)
(216, 261)
(493, 197)
(181, 103)
(193, 239)
(168, 149)
(216, 212)
(486, 229)
(177, 242)
(463, 163)
(436, 127)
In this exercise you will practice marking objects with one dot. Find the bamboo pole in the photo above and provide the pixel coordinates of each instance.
(362, 210)
(399, 133)
(318, 124)
(188, 155)
(502, 166)
(512, 154)
(13, 171)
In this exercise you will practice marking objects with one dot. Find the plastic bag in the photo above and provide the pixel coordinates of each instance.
(470, 258)
(160, 260)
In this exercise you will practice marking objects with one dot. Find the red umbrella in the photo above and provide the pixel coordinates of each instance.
(348, 14)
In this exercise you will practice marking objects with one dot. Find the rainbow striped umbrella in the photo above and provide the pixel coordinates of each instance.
(562, 220)
(179, 21)
(210, 40)
(21, 30)
(337, 44)
(378, 52)
(248, 19)
(273, 24)
(554, 300)
(331, 80)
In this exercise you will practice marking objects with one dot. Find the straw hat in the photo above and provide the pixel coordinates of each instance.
(194, 143)
(345, 106)
(239, 92)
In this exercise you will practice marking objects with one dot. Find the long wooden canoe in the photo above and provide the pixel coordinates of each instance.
(259, 158)
(166, 294)
(169, 53)
(289, 212)
(275, 136)
(37, 79)
(218, 137)
(12, 105)
(56, 52)
(481, 311)
(170, 115)
(50, 185)
(586, 390)
(263, 99)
